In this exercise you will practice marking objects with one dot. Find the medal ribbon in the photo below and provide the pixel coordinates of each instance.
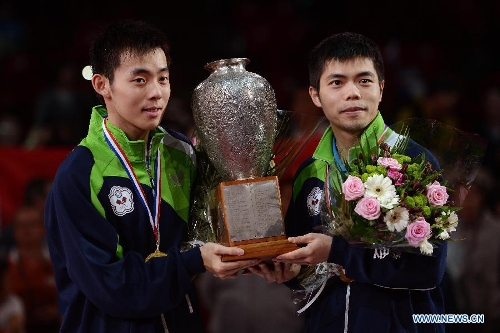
(153, 219)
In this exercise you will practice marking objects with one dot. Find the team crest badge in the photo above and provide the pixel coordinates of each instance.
(122, 200)
(313, 200)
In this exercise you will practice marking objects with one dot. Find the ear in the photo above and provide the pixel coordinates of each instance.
(314, 93)
(382, 84)
(101, 85)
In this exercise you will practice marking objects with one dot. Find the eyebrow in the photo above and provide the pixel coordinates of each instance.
(140, 70)
(338, 75)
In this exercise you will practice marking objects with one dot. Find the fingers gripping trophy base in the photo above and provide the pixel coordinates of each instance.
(263, 250)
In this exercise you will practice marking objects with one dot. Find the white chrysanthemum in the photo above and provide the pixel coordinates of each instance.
(439, 222)
(444, 235)
(397, 218)
(452, 222)
(448, 221)
(426, 247)
(382, 189)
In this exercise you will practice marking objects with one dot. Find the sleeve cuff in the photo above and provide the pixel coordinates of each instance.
(340, 251)
(192, 261)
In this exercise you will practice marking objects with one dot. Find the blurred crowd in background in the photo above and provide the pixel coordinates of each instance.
(441, 63)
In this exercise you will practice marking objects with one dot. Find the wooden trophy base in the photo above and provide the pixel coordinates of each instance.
(263, 250)
(251, 218)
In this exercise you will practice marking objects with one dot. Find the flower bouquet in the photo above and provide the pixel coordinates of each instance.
(387, 199)
(392, 201)
(384, 198)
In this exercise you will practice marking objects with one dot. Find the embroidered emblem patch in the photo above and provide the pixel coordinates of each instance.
(313, 200)
(121, 199)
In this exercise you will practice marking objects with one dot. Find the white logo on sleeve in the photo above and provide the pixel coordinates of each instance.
(122, 200)
(381, 253)
(313, 200)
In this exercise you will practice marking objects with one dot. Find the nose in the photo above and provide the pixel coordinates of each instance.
(352, 91)
(157, 90)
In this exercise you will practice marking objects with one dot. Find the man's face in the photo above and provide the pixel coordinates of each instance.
(349, 95)
(139, 93)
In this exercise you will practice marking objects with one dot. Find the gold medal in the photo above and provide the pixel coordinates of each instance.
(154, 215)
(155, 254)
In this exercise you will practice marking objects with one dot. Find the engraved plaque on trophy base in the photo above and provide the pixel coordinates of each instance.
(251, 218)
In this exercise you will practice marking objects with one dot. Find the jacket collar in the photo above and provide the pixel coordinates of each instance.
(135, 150)
(376, 129)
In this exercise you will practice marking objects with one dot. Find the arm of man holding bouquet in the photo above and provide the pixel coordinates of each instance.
(384, 267)
(372, 268)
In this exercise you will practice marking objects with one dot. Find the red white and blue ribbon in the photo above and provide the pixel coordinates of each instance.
(154, 217)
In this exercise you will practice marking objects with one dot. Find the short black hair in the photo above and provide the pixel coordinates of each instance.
(137, 37)
(342, 47)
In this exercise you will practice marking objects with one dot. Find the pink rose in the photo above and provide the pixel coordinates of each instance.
(368, 207)
(353, 188)
(389, 162)
(436, 193)
(417, 231)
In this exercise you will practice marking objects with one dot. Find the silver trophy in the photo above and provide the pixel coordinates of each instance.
(236, 121)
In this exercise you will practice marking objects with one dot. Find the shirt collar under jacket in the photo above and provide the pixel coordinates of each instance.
(135, 150)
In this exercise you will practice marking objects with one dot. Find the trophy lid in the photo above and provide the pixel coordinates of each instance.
(227, 63)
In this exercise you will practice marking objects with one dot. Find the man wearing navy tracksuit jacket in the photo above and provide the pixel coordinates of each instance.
(118, 208)
(374, 290)
(387, 288)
